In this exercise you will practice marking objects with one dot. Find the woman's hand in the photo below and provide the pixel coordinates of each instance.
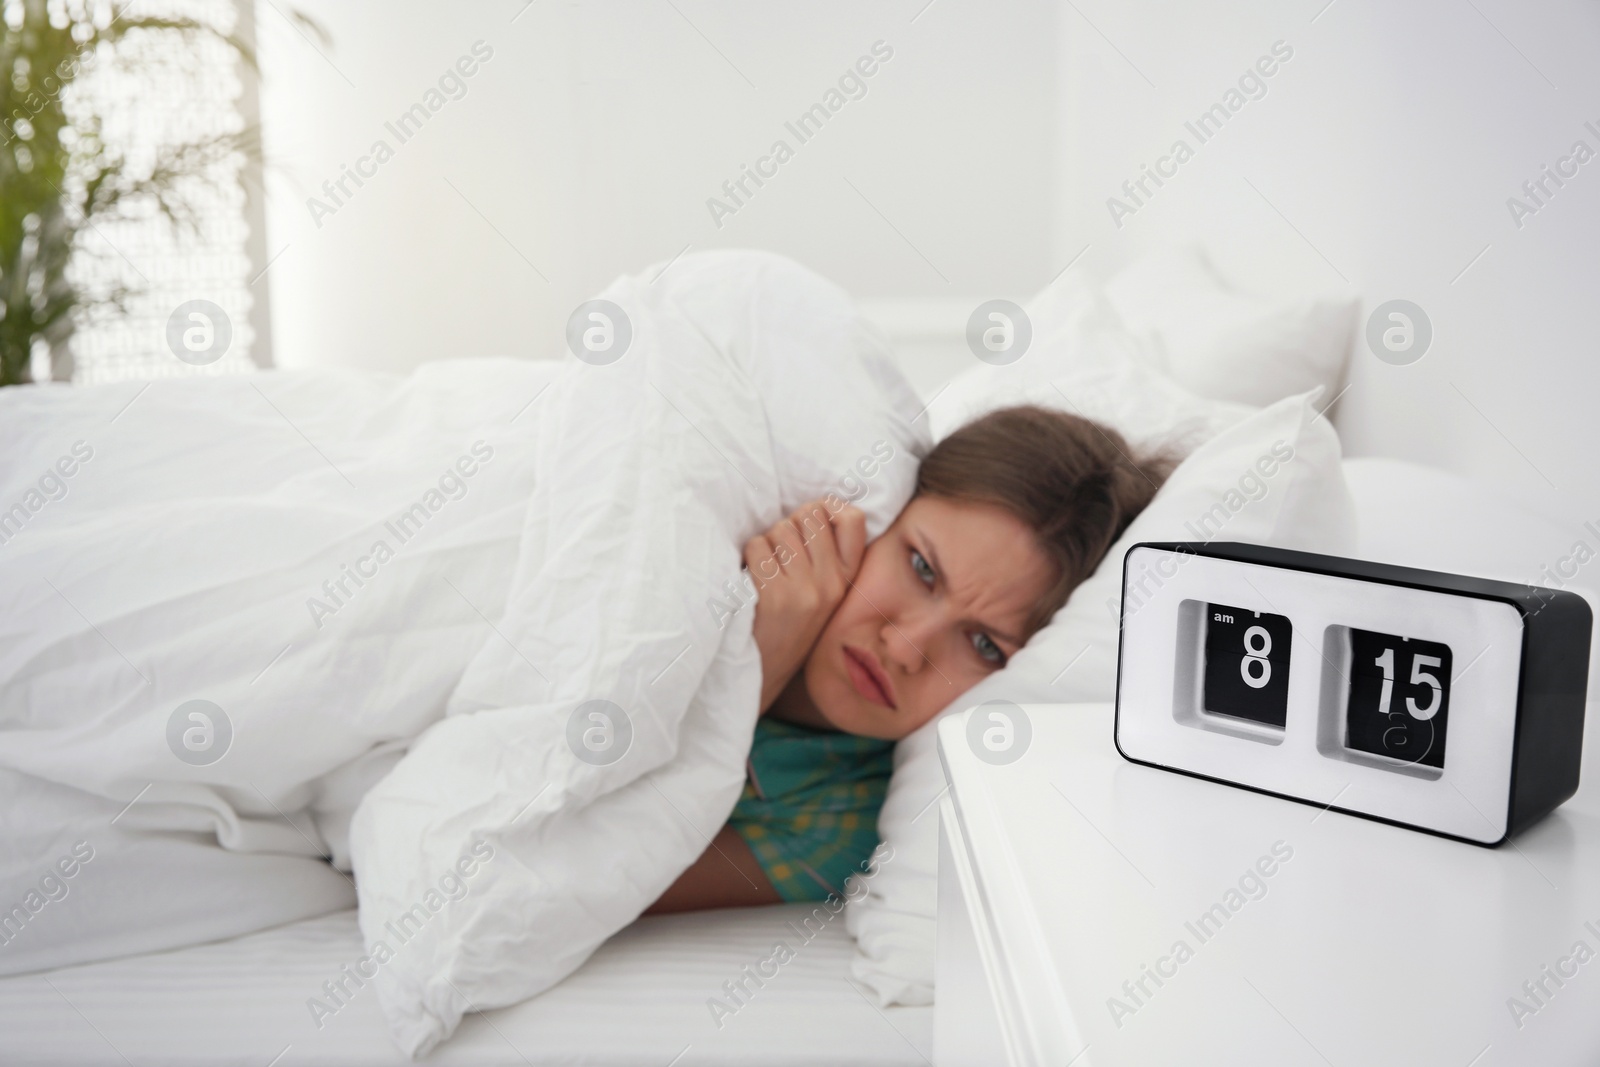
(802, 568)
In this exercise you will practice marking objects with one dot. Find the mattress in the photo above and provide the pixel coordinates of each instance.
(646, 997)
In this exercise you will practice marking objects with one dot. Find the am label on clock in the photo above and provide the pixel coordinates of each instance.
(1399, 701)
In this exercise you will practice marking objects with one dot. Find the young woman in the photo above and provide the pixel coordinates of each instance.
(861, 644)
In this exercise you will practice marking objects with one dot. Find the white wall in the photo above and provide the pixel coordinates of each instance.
(592, 139)
(1391, 142)
(1379, 162)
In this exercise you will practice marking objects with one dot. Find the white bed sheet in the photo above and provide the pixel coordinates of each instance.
(641, 999)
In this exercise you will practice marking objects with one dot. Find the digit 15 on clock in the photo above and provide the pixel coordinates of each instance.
(1399, 704)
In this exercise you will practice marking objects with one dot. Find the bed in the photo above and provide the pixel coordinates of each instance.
(665, 990)
(643, 998)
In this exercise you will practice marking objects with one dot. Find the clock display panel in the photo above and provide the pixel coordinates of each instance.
(1399, 700)
(1247, 664)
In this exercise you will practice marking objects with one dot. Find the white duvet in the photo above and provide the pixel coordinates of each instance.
(529, 579)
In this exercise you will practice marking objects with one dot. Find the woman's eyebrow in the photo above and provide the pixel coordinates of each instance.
(933, 560)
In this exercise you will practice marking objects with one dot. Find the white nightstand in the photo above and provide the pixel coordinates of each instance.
(1096, 912)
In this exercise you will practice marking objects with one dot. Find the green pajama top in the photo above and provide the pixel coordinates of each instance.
(809, 810)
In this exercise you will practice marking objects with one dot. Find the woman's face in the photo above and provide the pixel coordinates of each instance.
(941, 602)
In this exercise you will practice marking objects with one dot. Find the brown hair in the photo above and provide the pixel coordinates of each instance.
(1075, 483)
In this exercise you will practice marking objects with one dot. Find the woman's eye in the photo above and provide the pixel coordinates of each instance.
(920, 565)
(986, 648)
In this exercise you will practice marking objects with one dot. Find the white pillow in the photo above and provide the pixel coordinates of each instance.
(1299, 502)
(1084, 361)
(1227, 345)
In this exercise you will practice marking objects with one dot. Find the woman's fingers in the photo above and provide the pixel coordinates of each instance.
(790, 547)
(760, 557)
(817, 526)
(802, 565)
(850, 531)
(813, 541)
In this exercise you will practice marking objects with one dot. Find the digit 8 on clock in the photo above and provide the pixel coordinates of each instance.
(1399, 699)
(1247, 664)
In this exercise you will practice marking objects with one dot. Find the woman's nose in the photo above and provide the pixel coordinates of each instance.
(908, 640)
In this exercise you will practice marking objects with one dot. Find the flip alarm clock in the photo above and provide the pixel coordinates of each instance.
(1432, 701)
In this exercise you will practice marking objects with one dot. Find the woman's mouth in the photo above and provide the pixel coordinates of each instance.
(868, 676)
